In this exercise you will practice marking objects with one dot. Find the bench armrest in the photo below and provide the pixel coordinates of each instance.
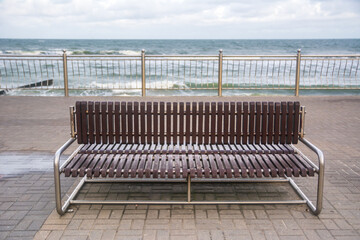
(60, 151)
(318, 152)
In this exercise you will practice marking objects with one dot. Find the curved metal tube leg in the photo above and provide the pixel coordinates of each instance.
(58, 153)
(320, 187)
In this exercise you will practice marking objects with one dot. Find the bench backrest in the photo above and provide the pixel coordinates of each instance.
(184, 123)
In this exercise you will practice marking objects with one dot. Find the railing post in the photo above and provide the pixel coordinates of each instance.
(220, 73)
(143, 84)
(297, 77)
(66, 83)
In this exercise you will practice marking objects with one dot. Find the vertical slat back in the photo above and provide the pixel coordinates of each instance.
(181, 123)
(142, 123)
(168, 122)
(130, 122)
(193, 123)
(277, 123)
(232, 122)
(213, 123)
(257, 123)
(296, 122)
(185, 123)
(149, 122)
(245, 123)
(136, 122)
(290, 123)
(239, 129)
(271, 123)
(91, 122)
(207, 123)
(219, 122)
(84, 122)
(226, 122)
(201, 122)
(264, 119)
(156, 122)
(110, 122)
(162, 123)
(175, 123)
(283, 122)
(97, 122)
(117, 122)
(251, 122)
(78, 122)
(123, 122)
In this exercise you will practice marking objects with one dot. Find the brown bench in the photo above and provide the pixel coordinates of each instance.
(150, 141)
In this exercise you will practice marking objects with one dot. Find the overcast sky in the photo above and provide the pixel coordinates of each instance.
(180, 19)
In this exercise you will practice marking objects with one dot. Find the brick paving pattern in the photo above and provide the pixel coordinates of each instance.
(40, 125)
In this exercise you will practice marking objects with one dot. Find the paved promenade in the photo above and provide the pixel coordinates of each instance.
(32, 128)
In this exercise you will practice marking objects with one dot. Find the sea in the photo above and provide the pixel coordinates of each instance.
(175, 47)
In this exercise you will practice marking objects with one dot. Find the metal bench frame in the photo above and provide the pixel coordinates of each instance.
(314, 208)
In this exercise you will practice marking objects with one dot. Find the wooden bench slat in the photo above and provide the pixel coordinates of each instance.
(255, 165)
(170, 166)
(117, 122)
(156, 123)
(175, 123)
(277, 123)
(136, 123)
(213, 123)
(270, 123)
(149, 123)
(123, 123)
(226, 123)
(245, 123)
(104, 122)
(168, 123)
(258, 123)
(130, 122)
(290, 119)
(296, 122)
(232, 122)
(201, 123)
(283, 122)
(91, 122)
(251, 123)
(187, 124)
(264, 120)
(219, 127)
(207, 123)
(111, 122)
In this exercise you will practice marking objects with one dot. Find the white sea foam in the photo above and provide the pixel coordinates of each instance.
(23, 52)
(137, 85)
(129, 52)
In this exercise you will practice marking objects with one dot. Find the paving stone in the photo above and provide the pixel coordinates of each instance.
(27, 198)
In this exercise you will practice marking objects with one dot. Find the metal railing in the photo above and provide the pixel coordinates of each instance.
(182, 72)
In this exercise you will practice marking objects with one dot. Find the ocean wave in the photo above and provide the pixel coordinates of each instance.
(105, 52)
(25, 52)
(129, 52)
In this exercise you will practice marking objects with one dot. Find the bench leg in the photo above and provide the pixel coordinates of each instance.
(315, 209)
(59, 208)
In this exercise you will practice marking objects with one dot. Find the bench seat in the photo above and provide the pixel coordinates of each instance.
(179, 161)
